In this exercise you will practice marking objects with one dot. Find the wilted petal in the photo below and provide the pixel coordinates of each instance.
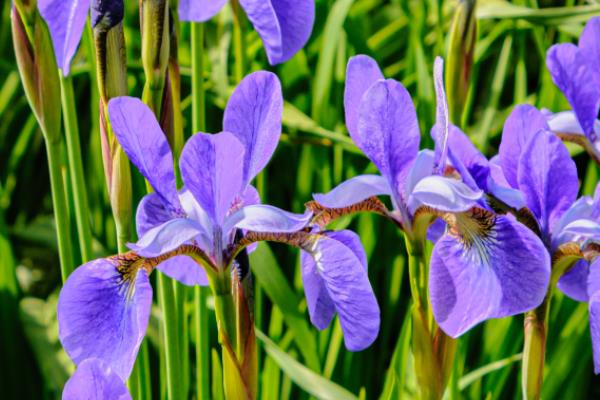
(199, 10)
(65, 19)
(94, 380)
(361, 73)
(492, 271)
(340, 263)
(185, 270)
(253, 114)
(151, 212)
(443, 194)
(388, 130)
(283, 25)
(594, 308)
(577, 78)
(353, 191)
(548, 179)
(521, 125)
(102, 315)
(265, 218)
(573, 283)
(211, 168)
(144, 142)
(167, 237)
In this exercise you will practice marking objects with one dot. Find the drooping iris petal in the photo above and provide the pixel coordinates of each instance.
(283, 25)
(211, 168)
(499, 271)
(320, 306)
(185, 270)
(548, 179)
(578, 80)
(151, 212)
(199, 10)
(594, 308)
(521, 125)
(573, 283)
(354, 190)
(339, 263)
(361, 73)
(167, 237)
(146, 145)
(265, 218)
(94, 380)
(443, 194)
(253, 114)
(442, 124)
(101, 315)
(388, 130)
(65, 19)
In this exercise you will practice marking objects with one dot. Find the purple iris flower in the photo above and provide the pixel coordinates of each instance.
(104, 306)
(576, 72)
(484, 265)
(66, 20)
(283, 25)
(93, 380)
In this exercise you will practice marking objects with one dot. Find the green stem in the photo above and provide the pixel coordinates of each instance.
(200, 293)
(80, 200)
(534, 350)
(61, 214)
(166, 298)
(238, 41)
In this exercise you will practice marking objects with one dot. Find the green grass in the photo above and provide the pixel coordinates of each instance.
(315, 153)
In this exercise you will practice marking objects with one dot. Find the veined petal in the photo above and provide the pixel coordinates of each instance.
(253, 114)
(104, 314)
(361, 73)
(167, 237)
(574, 282)
(340, 264)
(594, 308)
(283, 25)
(589, 42)
(388, 130)
(548, 179)
(199, 10)
(265, 218)
(211, 168)
(353, 191)
(146, 145)
(490, 267)
(521, 125)
(443, 194)
(185, 270)
(94, 380)
(151, 212)
(65, 19)
(578, 80)
(442, 120)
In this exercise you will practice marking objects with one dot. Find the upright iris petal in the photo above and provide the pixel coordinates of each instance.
(103, 313)
(94, 380)
(486, 267)
(334, 272)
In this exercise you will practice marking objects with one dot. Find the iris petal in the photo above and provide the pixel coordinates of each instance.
(283, 25)
(443, 194)
(145, 144)
(167, 237)
(101, 315)
(94, 380)
(151, 212)
(265, 218)
(574, 282)
(185, 270)
(253, 114)
(502, 270)
(353, 191)
(594, 308)
(442, 124)
(199, 10)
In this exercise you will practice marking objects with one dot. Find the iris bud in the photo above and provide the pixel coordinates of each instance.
(463, 34)
(106, 13)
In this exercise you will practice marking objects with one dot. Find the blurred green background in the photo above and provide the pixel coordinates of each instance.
(314, 155)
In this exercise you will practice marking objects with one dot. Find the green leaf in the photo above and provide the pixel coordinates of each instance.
(547, 16)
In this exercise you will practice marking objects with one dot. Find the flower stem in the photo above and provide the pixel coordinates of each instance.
(167, 303)
(61, 214)
(84, 233)
(200, 293)
(238, 41)
(534, 350)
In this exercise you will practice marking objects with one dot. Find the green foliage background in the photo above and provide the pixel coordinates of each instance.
(315, 154)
